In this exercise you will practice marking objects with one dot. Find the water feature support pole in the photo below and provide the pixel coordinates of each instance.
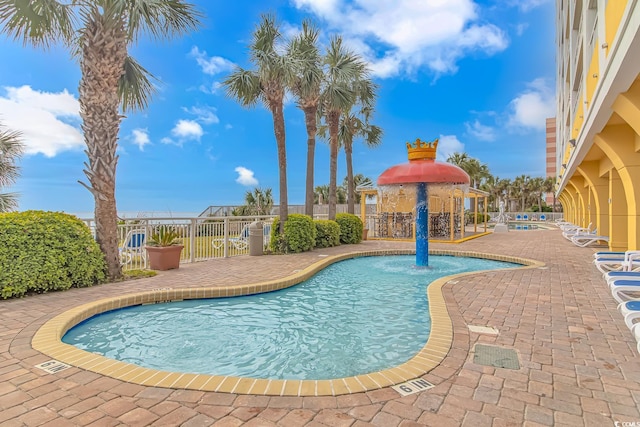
(422, 225)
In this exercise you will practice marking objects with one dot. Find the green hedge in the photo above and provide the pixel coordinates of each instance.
(47, 251)
(327, 233)
(299, 234)
(350, 228)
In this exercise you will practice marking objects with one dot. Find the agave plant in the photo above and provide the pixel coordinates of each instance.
(164, 236)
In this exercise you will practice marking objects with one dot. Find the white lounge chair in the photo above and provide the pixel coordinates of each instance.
(241, 242)
(568, 233)
(621, 288)
(584, 240)
(133, 246)
(614, 261)
(630, 310)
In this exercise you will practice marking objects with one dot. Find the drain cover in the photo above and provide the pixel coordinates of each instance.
(497, 357)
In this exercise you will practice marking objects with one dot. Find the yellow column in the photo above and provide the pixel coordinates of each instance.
(599, 186)
(618, 236)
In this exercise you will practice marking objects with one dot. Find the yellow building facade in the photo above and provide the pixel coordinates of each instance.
(598, 117)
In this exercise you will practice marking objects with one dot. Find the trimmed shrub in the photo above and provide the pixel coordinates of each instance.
(299, 234)
(47, 251)
(327, 233)
(350, 228)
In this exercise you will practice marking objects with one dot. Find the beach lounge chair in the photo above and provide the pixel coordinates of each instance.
(518, 217)
(617, 261)
(569, 232)
(584, 240)
(630, 310)
(543, 217)
(241, 242)
(525, 217)
(133, 246)
(621, 288)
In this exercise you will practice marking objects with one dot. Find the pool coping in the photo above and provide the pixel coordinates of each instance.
(48, 338)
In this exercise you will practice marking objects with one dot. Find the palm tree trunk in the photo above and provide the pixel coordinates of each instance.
(104, 50)
(311, 124)
(333, 119)
(278, 128)
(351, 196)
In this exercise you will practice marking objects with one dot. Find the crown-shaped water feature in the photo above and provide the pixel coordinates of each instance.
(421, 170)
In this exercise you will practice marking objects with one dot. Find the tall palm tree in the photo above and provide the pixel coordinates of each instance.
(458, 159)
(536, 187)
(353, 125)
(346, 83)
(521, 186)
(549, 186)
(11, 148)
(268, 84)
(306, 86)
(99, 33)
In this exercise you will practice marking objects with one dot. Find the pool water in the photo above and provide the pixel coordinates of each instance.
(356, 316)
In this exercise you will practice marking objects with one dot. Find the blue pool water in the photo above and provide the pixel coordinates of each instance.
(356, 316)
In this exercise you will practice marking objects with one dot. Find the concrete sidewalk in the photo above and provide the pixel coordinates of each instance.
(578, 360)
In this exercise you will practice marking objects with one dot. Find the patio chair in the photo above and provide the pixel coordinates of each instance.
(525, 217)
(241, 242)
(518, 217)
(133, 246)
(630, 310)
(543, 217)
(584, 240)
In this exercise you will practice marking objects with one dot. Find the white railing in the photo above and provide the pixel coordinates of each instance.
(203, 238)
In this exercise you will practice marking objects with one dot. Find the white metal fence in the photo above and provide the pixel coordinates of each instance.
(203, 238)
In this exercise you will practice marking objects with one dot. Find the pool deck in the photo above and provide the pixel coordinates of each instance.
(579, 364)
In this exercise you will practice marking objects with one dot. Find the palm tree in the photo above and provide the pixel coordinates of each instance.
(549, 186)
(99, 33)
(322, 191)
(354, 126)
(256, 202)
(303, 49)
(521, 186)
(268, 83)
(536, 186)
(346, 84)
(458, 159)
(358, 179)
(11, 148)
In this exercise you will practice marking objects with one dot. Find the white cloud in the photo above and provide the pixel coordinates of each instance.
(140, 138)
(206, 114)
(531, 108)
(187, 129)
(402, 36)
(39, 116)
(228, 126)
(520, 28)
(480, 131)
(245, 177)
(447, 145)
(211, 65)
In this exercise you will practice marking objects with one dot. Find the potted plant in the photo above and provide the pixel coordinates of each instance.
(164, 248)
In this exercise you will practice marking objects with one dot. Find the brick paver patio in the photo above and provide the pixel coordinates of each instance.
(579, 365)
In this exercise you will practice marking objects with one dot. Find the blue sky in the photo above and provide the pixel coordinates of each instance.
(479, 75)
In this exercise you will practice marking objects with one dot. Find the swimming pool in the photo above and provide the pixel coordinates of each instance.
(48, 338)
(354, 317)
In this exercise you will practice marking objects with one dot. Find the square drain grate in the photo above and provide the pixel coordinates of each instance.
(497, 357)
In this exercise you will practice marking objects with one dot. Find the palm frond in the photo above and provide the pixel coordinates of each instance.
(243, 86)
(135, 87)
(11, 148)
(160, 19)
(8, 202)
(39, 23)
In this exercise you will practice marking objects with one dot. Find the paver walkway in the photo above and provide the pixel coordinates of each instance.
(578, 360)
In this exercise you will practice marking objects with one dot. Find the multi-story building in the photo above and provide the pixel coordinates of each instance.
(598, 116)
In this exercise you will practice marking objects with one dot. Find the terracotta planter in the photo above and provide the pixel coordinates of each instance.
(164, 257)
(365, 232)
